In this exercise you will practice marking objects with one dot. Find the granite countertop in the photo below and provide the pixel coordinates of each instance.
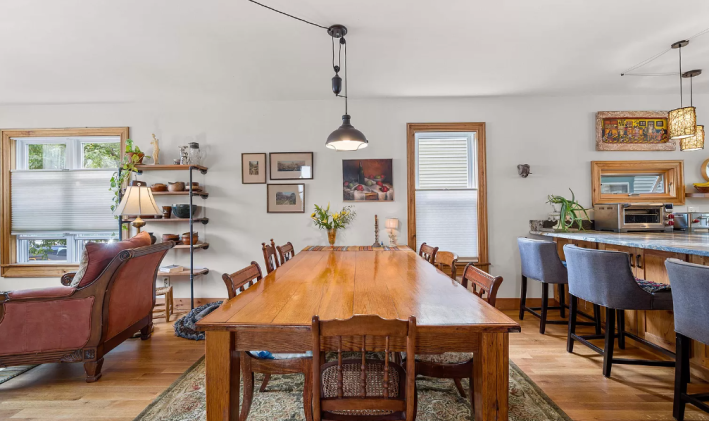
(689, 243)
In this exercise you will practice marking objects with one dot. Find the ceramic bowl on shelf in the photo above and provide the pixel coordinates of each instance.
(183, 210)
(186, 238)
(170, 237)
(701, 188)
(195, 186)
(176, 186)
(158, 187)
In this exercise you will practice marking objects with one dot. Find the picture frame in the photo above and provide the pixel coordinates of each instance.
(285, 198)
(368, 180)
(633, 131)
(291, 165)
(253, 168)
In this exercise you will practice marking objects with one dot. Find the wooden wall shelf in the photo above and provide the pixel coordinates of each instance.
(185, 272)
(202, 194)
(197, 246)
(163, 220)
(695, 195)
(144, 167)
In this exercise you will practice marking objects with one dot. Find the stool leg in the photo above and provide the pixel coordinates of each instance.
(621, 328)
(545, 304)
(610, 342)
(562, 301)
(573, 304)
(523, 298)
(597, 317)
(681, 376)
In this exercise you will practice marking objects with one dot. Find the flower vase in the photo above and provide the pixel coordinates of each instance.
(332, 236)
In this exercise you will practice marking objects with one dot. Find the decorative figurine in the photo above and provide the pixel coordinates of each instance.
(156, 150)
(391, 225)
(376, 232)
(184, 159)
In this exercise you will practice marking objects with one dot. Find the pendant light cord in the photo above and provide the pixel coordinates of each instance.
(290, 16)
(347, 91)
(681, 97)
(655, 57)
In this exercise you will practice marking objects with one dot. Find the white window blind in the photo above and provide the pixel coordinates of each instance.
(61, 201)
(446, 192)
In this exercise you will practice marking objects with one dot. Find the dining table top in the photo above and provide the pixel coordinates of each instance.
(340, 284)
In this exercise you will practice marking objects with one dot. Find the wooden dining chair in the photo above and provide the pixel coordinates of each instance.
(447, 258)
(275, 363)
(459, 365)
(285, 252)
(269, 256)
(428, 253)
(363, 388)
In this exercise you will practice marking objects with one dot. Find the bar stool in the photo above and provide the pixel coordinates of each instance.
(604, 277)
(690, 295)
(540, 261)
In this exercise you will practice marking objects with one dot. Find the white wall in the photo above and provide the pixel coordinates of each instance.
(555, 135)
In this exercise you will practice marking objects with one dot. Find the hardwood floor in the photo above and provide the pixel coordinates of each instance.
(136, 372)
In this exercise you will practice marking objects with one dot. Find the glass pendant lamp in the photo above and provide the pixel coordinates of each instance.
(683, 120)
(696, 141)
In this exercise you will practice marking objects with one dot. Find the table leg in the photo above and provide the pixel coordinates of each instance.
(222, 376)
(491, 376)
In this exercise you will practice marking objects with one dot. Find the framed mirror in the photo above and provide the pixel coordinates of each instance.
(638, 181)
(705, 169)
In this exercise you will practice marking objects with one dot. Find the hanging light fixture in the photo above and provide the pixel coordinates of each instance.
(683, 120)
(696, 142)
(346, 137)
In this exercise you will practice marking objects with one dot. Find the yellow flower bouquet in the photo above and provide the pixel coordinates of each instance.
(331, 222)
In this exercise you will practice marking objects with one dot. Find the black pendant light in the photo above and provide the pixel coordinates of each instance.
(346, 137)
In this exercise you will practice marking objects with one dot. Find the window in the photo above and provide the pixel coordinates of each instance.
(60, 197)
(446, 195)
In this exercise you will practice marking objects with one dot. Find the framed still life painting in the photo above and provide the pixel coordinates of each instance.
(367, 180)
(633, 131)
(291, 165)
(285, 198)
(253, 168)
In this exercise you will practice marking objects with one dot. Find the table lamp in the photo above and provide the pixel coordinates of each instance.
(391, 225)
(137, 200)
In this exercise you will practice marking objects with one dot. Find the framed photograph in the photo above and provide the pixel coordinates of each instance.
(633, 131)
(253, 168)
(286, 198)
(291, 165)
(367, 180)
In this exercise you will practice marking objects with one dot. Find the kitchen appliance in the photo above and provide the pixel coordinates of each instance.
(627, 217)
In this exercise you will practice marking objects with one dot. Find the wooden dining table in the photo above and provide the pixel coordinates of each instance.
(276, 313)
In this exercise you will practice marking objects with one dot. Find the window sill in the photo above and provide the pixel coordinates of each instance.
(36, 270)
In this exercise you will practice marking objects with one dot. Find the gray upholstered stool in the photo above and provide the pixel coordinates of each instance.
(604, 277)
(690, 294)
(540, 261)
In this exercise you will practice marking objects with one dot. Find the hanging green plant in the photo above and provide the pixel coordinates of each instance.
(119, 180)
(570, 213)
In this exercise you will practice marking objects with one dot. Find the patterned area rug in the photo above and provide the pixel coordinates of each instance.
(437, 400)
(8, 373)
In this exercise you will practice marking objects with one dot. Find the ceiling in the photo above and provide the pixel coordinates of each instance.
(129, 50)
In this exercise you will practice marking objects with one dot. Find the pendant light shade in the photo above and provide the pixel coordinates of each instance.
(346, 137)
(682, 122)
(693, 143)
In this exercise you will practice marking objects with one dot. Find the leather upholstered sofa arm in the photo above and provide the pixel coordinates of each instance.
(40, 293)
(67, 278)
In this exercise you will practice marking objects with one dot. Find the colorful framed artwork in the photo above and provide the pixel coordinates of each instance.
(291, 165)
(633, 131)
(253, 168)
(285, 198)
(367, 180)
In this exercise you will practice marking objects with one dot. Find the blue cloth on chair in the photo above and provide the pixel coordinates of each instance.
(266, 355)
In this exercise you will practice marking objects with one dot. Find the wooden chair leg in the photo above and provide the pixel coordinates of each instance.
(167, 307)
(610, 342)
(545, 305)
(93, 370)
(308, 389)
(681, 376)
(573, 310)
(597, 317)
(146, 331)
(523, 298)
(621, 328)
(248, 377)
(266, 379)
(472, 394)
(562, 301)
(459, 386)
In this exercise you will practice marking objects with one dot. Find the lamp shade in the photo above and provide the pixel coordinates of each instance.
(392, 223)
(138, 200)
(693, 143)
(346, 137)
(682, 122)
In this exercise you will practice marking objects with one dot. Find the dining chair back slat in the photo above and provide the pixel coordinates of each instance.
(285, 252)
(428, 253)
(238, 281)
(269, 256)
(482, 283)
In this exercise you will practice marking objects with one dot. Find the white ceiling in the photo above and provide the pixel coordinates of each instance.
(128, 50)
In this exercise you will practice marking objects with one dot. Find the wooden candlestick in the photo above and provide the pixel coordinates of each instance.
(376, 232)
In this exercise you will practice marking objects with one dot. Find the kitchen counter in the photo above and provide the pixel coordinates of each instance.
(688, 243)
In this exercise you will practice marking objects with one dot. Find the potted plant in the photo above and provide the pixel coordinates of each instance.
(570, 212)
(133, 153)
(323, 219)
(133, 156)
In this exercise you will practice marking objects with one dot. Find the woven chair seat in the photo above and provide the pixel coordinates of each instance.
(351, 371)
(445, 358)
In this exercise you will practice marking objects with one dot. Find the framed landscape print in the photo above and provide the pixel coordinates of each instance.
(291, 165)
(633, 131)
(253, 168)
(286, 198)
(367, 180)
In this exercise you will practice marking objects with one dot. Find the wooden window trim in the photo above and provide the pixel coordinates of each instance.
(9, 268)
(479, 129)
(673, 172)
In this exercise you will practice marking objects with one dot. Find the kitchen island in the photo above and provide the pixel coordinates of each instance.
(648, 252)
